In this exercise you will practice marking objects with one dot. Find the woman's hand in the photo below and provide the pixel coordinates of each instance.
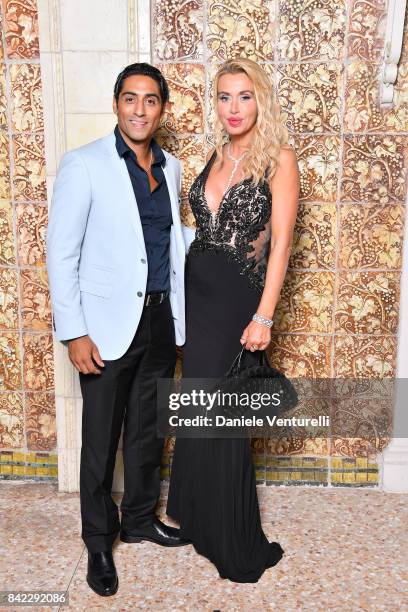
(256, 337)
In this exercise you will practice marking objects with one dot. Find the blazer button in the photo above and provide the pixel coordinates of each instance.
(143, 260)
(139, 293)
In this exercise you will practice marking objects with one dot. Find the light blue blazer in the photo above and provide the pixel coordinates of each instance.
(96, 256)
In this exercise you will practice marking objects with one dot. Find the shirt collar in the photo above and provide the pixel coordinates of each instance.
(123, 148)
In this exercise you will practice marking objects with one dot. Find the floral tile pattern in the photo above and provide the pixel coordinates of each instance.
(3, 101)
(186, 214)
(26, 360)
(4, 166)
(319, 163)
(40, 421)
(311, 31)
(6, 234)
(11, 420)
(210, 72)
(186, 83)
(10, 361)
(367, 357)
(240, 28)
(358, 447)
(35, 299)
(31, 234)
(178, 30)
(362, 97)
(29, 167)
(367, 29)
(21, 28)
(1, 38)
(8, 299)
(306, 303)
(290, 445)
(309, 95)
(404, 50)
(38, 362)
(368, 302)
(169, 444)
(371, 236)
(190, 151)
(301, 355)
(363, 111)
(27, 112)
(314, 236)
(258, 446)
(397, 118)
(374, 168)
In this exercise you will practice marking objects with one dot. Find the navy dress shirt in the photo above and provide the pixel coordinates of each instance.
(154, 210)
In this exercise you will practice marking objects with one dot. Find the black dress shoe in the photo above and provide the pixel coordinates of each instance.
(102, 576)
(157, 532)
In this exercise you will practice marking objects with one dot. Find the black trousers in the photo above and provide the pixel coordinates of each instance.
(125, 392)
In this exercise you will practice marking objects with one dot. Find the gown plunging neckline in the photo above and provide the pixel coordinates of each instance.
(215, 213)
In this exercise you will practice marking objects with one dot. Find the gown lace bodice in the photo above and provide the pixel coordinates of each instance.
(241, 227)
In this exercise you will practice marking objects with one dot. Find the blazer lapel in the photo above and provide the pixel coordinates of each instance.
(174, 201)
(126, 187)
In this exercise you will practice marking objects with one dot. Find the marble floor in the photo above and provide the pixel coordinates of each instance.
(345, 550)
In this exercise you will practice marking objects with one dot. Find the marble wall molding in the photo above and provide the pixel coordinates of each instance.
(66, 393)
(394, 34)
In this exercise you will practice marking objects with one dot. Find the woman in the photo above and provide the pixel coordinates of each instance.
(245, 204)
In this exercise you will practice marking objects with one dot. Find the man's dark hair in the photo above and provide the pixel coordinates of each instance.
(145, 70)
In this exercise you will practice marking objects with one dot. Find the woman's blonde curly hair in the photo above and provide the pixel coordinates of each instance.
(270, 134)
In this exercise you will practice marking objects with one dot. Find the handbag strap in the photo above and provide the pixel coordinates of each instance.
(237, 365)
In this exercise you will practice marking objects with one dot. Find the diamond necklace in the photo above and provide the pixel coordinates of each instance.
(236, 161)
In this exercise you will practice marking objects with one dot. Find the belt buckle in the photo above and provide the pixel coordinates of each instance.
(149, 297)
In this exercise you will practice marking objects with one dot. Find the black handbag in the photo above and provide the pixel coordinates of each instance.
(261, 378)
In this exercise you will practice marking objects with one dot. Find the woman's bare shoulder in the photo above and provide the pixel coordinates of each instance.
(287, 156)
(287, 166)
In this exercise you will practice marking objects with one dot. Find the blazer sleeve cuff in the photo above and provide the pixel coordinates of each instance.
(67, 330)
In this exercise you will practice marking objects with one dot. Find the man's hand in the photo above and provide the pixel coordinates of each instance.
(81, 352)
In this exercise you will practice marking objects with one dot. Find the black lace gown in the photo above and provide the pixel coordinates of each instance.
(212, 491)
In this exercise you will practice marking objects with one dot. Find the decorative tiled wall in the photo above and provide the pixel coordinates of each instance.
(338, 312)
(27, 406)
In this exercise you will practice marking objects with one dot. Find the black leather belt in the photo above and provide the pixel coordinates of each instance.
(153, 299)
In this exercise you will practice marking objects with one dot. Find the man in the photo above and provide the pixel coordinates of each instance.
(115, 258)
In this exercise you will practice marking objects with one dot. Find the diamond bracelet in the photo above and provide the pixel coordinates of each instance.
(262, 320)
